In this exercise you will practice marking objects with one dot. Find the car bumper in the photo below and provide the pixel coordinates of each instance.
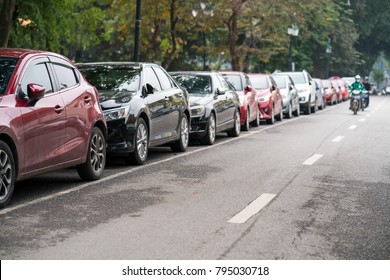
(120, 137)
(198, 127)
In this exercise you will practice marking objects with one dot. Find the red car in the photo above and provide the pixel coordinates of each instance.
(269, 97)
(249, 108)
(50, 119)
(342, 86)
(330, 92)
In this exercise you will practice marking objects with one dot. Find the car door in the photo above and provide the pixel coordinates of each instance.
(44, 120)
(157, 105)
(175, 102)
(78, 108)
(224, 102)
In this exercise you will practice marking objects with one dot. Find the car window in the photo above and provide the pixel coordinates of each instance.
(199, 84)
(7, 66)
(66, 75)
(259, 82)
(151, 78)
(119, 78)
(235, 80)
(223, 82)
(37, 74)
(298, 78)
(165, 81)
(280, 81)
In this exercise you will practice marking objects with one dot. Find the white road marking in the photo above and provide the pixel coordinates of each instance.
(352, 127)
(362, 120)
(338, 139)
(311, 160)
(253, 208)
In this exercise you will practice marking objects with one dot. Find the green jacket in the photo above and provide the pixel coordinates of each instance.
(356, 86)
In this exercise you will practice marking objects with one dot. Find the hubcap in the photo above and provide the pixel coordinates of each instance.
(5, 174)
(97, 152)
(212, 128)
(142, 141)
(184, 131)
(237, 122)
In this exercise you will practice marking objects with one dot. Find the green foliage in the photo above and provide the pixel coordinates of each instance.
(251, 34)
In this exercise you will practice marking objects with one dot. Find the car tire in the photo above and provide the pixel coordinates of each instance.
(279, 117)
(245, 126)
(289, 111)
(271, 120)
(209, 138)
(308, 108)
(141, 144)
(256, 122)
(235, 131)
(7, 174)
(314, 108)
(297, 112)
(181, 145)
(94, 165)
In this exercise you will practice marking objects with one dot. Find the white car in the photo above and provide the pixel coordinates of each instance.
(306, 90)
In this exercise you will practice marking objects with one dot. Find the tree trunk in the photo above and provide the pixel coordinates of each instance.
(173, 21)
(6, 11)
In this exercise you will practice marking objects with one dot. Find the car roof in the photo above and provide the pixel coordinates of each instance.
(193, 72)
(18, 53)
(130, 63)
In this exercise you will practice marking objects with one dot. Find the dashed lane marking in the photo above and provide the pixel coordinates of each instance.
(338, 139)
(311, 160)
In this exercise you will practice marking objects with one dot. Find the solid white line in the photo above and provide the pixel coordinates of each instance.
(252, 209)
(352, 127)
(311, 160)
(338, 139)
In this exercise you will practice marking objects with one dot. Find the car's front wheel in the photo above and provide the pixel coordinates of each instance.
(235, 131)
(93, 168)
(141, 142)
(181, 145)
(7, 174)
(209, 138)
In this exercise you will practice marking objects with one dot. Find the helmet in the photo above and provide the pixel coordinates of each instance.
(366, 78)
(357, 78)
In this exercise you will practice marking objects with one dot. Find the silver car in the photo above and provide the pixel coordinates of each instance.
(289, 93)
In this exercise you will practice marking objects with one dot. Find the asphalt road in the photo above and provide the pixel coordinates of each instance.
(313, 187)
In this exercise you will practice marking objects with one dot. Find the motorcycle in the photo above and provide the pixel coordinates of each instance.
(356, 101)
(365, 97)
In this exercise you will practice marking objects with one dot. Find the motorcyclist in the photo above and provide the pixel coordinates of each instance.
(357, 85)
(367, 86)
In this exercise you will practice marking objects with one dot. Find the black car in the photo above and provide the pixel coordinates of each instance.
(215, 106)
(143, 106)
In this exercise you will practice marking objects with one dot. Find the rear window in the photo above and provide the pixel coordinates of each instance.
(235, 80)
(259, 82)
(197, 84)
(112, 77)
(7, 66)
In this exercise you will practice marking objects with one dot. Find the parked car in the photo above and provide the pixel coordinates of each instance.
(143, 105)
(343, 86)
(306, 90)
(330, 92)
(215, 107)
(337, 89)
(249, 109)
(50, 119)
(289, 94)
(320, 92)
(269, 97)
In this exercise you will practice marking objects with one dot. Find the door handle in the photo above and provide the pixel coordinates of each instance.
(87, 99)
(58, 109)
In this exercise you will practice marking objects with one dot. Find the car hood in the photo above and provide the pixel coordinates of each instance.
(200, 99)
(263, 92)
(114, 99)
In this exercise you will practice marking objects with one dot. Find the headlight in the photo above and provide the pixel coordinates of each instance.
(116, 114)
(302, 99)
(197, 111)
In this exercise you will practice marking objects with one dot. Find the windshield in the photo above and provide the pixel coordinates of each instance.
(280, 81)
(7, 66)
(259, 82)
(235, 80)
(199, 84)
(298, 78)
(112, 77)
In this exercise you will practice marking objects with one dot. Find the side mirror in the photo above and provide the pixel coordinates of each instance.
(35, 91)
(221, 91)
(273, 88)
(148, 89)
(248, 88)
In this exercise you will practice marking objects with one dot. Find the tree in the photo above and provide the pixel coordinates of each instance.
(7, 8)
